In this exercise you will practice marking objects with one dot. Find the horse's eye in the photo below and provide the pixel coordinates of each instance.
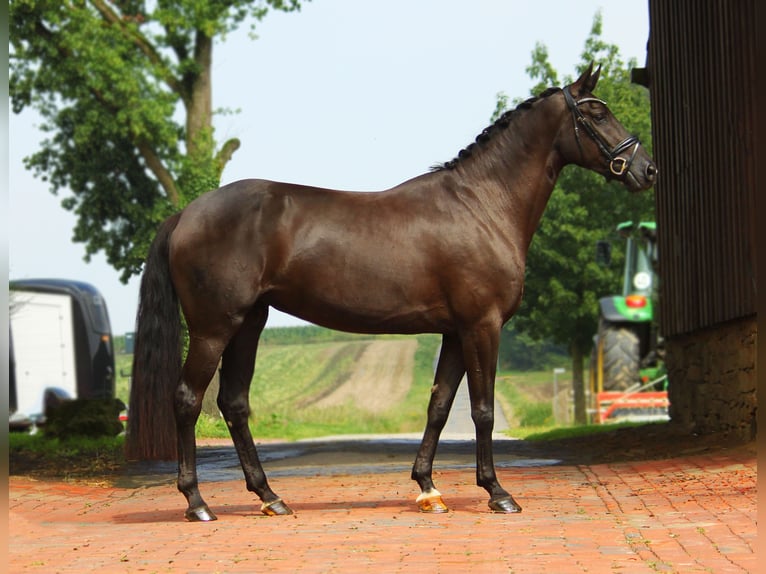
(599, 117)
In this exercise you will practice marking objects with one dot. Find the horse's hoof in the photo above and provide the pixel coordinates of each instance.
(431, 502)
(276, 508)
(506, 505)
(200, 514)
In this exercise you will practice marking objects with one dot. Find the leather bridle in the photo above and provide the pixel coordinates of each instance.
(619, 166)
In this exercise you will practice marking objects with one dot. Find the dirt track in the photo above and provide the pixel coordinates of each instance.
(381, 377)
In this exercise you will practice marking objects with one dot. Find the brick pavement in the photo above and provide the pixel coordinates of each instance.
(692, 514)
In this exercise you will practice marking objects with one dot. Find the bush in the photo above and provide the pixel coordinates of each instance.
(84, 418)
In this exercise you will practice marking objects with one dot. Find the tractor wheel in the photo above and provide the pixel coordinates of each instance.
(621, 356)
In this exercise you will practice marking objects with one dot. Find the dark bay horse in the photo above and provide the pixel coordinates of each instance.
(441, 253)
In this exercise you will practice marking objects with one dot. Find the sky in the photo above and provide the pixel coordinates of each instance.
(343, 94)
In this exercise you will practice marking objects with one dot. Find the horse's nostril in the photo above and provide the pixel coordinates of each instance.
(651, 172)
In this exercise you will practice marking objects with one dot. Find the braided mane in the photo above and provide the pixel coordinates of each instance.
(499, 125)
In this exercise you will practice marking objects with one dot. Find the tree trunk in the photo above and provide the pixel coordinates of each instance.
(199, 110)
(578, 385)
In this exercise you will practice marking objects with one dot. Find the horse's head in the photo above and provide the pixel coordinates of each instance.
(593, 138)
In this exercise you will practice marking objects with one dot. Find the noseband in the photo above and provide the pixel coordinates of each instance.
(619, 166)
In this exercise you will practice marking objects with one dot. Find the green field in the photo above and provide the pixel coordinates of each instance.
(298, 364)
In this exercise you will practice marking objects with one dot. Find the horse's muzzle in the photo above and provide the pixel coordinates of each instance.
(642, 174)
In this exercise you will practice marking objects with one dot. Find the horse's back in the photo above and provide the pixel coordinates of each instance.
(391, 261)
(315, 253)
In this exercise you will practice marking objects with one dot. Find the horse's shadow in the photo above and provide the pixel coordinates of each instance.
(252, 510)
(150, 516)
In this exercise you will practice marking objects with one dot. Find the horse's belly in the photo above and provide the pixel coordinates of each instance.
(364, 314)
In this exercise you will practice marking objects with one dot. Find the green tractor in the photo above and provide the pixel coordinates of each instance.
(626, 356)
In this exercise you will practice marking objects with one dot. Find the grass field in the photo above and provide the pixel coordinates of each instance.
(295, 365)
(289, 374)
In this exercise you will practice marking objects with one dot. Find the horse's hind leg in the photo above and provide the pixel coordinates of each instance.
(233, 400)
(198, 370)
(449, 372)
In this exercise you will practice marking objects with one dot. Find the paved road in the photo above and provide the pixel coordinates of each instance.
(459, 423)
(694, 513)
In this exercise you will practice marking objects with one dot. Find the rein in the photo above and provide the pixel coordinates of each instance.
(619, 166)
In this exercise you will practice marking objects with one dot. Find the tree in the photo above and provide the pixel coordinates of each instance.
(563, 281)
(109, 78)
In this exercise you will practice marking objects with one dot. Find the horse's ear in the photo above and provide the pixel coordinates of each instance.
(593, 80)
(587, 80)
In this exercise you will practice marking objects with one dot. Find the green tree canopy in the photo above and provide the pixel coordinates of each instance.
(563, 281)
(124, 88)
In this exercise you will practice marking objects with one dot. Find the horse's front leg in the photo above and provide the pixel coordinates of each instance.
(480, 348)
(449, 373)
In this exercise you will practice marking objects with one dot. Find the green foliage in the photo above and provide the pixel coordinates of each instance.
(84, 418)
(47, 446)
(123, 364)
(109, 79)
(70, 457)
(520, 352)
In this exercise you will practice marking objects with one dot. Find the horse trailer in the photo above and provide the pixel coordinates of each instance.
(60, 347)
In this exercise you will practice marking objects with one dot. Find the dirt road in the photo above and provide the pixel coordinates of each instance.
(381, 377)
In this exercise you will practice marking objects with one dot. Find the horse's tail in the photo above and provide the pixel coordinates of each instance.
(151, 433)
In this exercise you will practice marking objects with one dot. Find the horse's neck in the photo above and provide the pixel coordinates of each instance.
(523, 170)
